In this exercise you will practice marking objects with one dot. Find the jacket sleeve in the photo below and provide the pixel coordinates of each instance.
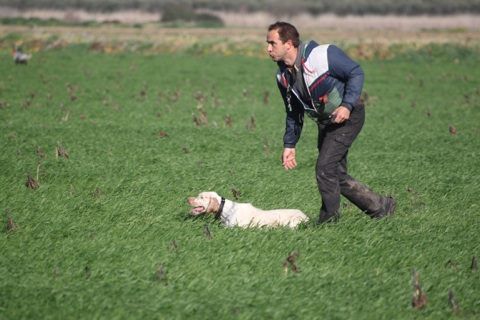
(293, 121)
(349, 72)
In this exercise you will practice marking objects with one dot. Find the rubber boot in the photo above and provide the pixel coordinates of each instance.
(326, 218)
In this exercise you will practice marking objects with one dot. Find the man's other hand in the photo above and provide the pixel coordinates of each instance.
(288, 158)
(340, 115)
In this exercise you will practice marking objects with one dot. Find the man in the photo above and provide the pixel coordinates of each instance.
(323, 82)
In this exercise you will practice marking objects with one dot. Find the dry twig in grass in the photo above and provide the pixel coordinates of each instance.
(452, 301)
(474, 265)
(61, 152)
(207, 233)
(162, 134)
(266, 97)
(3, 104)
(364, 98)
(452, 264)
(72, 92)
(291, 262)
(87, 272)
(173, 245)
(161, 274)
(199, 97)
(452, 130)
(419, 299)
(97, 193)
(11, 225)
(251, 124)
(31, 183)
(228, 120)
(202, 119)
(236, 193)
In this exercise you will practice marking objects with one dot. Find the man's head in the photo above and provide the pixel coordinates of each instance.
(286, 31)
(283, 40)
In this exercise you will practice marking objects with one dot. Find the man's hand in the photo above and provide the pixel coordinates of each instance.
(340, 115)
(288, 158)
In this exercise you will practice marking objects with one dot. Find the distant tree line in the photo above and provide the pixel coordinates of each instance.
(281, 7)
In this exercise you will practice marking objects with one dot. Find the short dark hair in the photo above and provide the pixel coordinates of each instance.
(286, 31)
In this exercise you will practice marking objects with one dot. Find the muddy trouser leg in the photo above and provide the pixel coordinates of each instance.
(328, 180)
(334, 140)
(359, 194)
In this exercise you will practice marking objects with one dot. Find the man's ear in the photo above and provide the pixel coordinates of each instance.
(290, 44)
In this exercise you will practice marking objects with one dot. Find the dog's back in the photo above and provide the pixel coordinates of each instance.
(246, 215)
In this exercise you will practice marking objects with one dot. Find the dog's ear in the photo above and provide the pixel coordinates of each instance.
(213, 205)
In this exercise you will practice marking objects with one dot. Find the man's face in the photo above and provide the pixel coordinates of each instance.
(276, 49)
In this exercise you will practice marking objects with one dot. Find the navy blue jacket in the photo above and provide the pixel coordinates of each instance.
(331, 79)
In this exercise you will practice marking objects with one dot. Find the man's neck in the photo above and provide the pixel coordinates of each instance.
(291, 57)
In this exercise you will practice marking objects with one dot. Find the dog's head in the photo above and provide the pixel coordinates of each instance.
(205, 202)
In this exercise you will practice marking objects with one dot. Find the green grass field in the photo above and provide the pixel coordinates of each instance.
(107, 234)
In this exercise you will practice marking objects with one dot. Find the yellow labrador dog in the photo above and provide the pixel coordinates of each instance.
(233, 214)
